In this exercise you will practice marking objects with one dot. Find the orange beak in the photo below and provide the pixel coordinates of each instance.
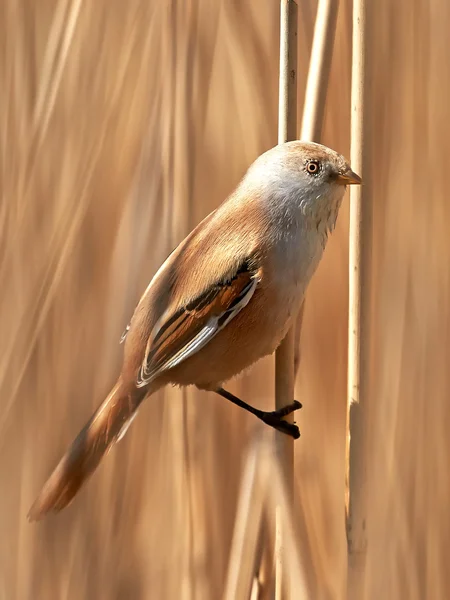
(349, 178)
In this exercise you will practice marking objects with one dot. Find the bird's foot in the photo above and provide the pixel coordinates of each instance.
(275, 419)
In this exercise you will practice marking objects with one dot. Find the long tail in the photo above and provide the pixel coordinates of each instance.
(106, 426)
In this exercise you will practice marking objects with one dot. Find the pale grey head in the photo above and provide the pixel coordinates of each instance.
(304, 175)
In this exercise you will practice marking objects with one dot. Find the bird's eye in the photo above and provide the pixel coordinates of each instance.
(313, 167)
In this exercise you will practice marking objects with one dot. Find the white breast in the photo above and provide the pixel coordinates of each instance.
(294, 261)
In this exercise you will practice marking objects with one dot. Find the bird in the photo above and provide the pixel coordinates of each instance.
(222, 300)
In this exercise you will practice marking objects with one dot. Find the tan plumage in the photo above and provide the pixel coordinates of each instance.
(221, 301)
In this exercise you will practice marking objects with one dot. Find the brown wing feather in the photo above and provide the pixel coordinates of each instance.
(212, 308)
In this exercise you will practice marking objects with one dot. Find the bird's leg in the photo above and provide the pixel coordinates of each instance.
(272, 418)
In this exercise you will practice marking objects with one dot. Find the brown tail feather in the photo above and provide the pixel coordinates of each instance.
(84, 455)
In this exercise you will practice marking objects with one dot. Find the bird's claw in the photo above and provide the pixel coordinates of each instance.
(275, 419)
(288, 428)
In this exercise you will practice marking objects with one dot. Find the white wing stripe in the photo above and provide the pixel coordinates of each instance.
(194, 345)
(199, 341)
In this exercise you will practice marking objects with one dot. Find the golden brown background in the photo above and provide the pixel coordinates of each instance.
(122, 125)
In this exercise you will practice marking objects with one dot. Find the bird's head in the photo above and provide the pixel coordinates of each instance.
(305, 175)
(315, 166)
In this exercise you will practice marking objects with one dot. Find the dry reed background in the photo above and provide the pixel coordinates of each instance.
(122, 124)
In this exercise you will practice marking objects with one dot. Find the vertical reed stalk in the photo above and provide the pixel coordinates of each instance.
(313, 113)
(284, 358)
(319, 70)
(356, 505)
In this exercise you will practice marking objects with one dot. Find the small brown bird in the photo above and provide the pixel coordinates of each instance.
(222, 300)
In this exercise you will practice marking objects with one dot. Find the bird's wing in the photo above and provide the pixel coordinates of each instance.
(181, 333)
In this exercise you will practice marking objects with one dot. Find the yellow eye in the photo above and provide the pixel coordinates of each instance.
(313, 167)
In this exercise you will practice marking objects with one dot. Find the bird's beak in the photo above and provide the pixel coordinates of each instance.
(349, 177)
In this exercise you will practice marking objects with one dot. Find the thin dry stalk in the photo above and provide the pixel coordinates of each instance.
(287, 102)
(245, 537)
(288, 355)
(284, 358)
(264, 563)
(319, 70)
(298, 331)
(315, 98)
(263, 488)
(358, 321)
(278, 498)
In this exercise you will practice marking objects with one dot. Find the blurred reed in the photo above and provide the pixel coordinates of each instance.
(264, 487)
